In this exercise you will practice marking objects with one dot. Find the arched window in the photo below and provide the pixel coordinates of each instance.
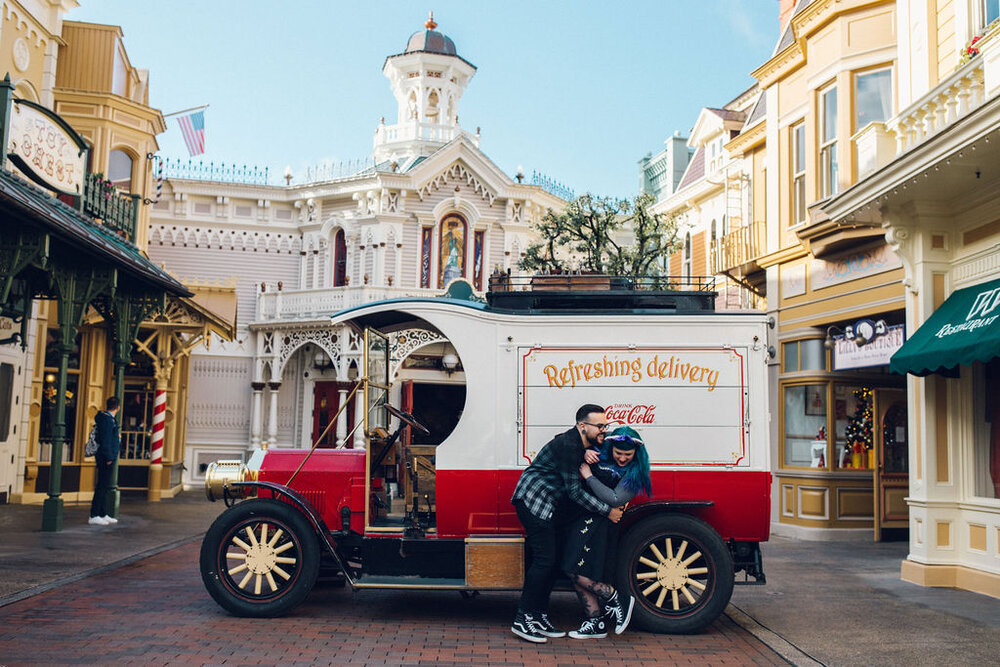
(339, 259)
(687, 256)
(120, 170)
(451, 249)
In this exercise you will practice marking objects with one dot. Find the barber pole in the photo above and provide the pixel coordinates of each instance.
(159, 416)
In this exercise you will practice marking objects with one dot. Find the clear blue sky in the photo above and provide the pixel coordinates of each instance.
(577, 90)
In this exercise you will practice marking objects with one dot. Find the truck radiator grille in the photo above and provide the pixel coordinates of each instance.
(317, 498)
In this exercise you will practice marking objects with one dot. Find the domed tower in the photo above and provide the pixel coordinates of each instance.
(428, 80)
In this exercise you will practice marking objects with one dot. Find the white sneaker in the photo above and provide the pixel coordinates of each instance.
(98, 521)
(109, 519)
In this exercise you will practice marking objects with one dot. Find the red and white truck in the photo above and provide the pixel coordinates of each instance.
(693, 383)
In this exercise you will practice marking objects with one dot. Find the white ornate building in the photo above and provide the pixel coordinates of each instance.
(429, 208)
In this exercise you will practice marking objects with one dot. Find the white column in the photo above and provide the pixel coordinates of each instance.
(359, 418)
(272, 416)
(342, 420)
(256, 415)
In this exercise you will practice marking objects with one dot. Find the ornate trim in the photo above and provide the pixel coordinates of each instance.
(404, 343)
(457, 172)
(290, 341)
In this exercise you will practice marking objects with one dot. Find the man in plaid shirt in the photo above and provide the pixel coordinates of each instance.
(553, 475)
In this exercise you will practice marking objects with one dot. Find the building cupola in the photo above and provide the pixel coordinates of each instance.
(428, 80)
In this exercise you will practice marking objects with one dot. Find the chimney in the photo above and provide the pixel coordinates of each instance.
(785, 8)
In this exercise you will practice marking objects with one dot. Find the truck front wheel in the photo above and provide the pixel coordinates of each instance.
(260, 558)
(679, 571)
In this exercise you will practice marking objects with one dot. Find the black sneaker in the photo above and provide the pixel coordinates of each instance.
(544, 626)
(592, 628)
(618, 613)
(526, 627)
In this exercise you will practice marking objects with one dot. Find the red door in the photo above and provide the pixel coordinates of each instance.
(326, 403)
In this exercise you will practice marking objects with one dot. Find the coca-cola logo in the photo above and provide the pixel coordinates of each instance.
(628, 413)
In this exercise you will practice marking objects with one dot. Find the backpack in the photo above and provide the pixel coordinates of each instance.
(90, 449)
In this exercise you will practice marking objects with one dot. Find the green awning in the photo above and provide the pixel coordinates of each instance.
(965, 329)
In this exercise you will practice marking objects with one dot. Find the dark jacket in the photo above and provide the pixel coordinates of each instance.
(108, 438)
(554, 475)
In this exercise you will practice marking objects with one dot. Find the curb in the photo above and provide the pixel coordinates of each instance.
(44, 588)
(771, 639)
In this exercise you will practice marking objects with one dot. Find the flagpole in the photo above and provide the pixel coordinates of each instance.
(177, 113)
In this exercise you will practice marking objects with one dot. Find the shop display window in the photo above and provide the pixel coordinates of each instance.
(804, 355)
(853, 426)
(805, 425)
(986, 429)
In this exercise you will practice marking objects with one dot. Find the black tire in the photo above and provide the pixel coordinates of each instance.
(260, 578)
(650, 570)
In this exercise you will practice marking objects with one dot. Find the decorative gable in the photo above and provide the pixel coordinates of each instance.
(457, 172)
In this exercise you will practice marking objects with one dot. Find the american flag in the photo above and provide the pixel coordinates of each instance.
(193, 129)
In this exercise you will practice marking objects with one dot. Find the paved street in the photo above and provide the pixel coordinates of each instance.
(156, 611)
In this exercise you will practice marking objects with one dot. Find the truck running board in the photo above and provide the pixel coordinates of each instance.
(425, 583)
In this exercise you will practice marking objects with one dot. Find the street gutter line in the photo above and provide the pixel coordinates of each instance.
(43, 588)
(771, 639)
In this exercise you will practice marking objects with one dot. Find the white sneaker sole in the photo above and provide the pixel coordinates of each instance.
(628, 616)
(576, 635)
(529, 638)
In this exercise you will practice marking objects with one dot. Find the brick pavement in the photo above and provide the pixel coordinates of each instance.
(156, 611)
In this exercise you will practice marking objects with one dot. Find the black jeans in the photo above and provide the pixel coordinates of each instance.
(97, 505)
(540, 544)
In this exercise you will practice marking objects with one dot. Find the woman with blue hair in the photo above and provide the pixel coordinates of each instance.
(619, 475)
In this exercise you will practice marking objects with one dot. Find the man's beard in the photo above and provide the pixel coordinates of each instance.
(594, 442)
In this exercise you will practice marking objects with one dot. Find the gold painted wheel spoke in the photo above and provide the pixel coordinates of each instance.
(674, 600)
(696, 584)
(656, 552)
(252, 536)
(256, 584)
(697, 570)
(263, 533)
(687, 594)
(652, 587)
(647, 575)
(284, 547)
(670, 548)
(281, 573)
(270, 582)
(238, 568)
(243, 582)
(238, 555)
(241, 544)
(661, 597)
(680, 552)
(285, 560)
(690, 559)
(646, 561)
(278, 533)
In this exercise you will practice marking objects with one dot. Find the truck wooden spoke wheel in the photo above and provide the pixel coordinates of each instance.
(260, 558)
(679, 571)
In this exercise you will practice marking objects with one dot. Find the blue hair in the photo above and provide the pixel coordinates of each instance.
(636, 474)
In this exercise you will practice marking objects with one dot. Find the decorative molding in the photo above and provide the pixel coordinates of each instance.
(972, 269)
(457, 172)
(290, 341)
(404, 343)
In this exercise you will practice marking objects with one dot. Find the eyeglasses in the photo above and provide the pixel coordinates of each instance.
(599, 427)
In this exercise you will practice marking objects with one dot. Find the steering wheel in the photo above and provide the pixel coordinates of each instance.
(407, 419)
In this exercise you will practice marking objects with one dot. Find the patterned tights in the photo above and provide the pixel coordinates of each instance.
(591, 593)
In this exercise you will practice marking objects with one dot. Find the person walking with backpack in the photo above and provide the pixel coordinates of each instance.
(108, 439)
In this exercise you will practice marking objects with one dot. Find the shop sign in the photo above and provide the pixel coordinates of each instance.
(793, 281)
(46, 149)
(876, 352)
(856, 265)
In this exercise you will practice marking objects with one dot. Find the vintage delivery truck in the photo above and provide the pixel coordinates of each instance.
(691, 380)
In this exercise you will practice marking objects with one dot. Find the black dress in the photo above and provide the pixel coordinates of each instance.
(592, 539)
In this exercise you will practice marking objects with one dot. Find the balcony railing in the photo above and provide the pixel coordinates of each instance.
(275, 304)
(737, 248)
(111, 207)
(417, 131)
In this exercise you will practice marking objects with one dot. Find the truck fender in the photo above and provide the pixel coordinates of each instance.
(635, 513)
(309, 511)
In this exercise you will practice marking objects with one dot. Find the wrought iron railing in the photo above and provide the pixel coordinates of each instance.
(108, 205)
(221, 173)
(329, 171)
(504, 282)
(552, 186)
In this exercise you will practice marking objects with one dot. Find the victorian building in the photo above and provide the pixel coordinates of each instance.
(429, 212)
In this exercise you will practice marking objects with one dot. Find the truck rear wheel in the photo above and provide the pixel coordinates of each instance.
(678, 570)
(260, 558)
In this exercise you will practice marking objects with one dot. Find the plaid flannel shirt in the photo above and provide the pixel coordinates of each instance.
(555, 474)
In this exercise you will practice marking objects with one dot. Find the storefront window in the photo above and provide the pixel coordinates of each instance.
(48, 415)
(986, 429)
(805, 425)
(804, 355)
(853, 421)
